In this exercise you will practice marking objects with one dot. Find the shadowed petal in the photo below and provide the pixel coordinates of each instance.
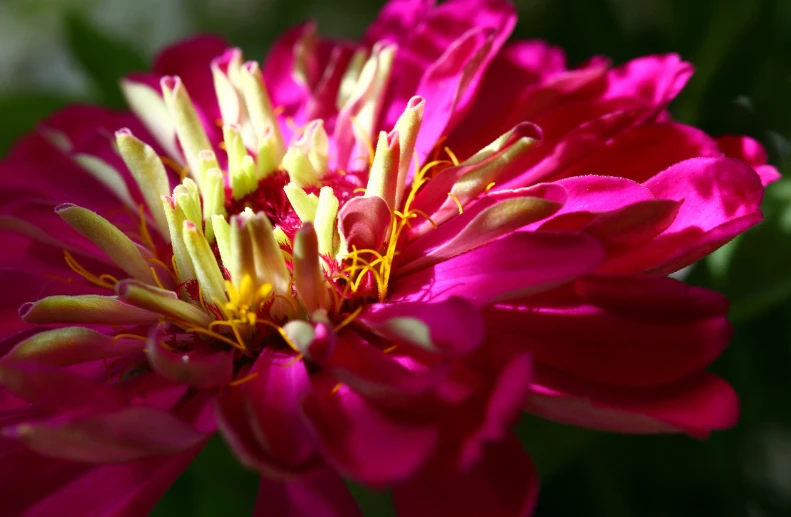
(320, 493)
(502, 484)
(351, 432)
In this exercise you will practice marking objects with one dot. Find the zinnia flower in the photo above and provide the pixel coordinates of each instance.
(361, 260)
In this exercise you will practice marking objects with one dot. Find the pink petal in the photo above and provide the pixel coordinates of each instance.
(260, 417)
(363, 442)
(128, 434)
(620, 331)
(396, 20)
(320, 493)
(695, 405)
(29, 167)
(278, 70)
(655, 80)
(364, 222)
(20, 287)
(502, 484)
(495, 215)
(721, 198)
(448, 86)
(589, 196)
(752, 153)
(580, 134)
(35, 486)
(51, 388)
(190, 60)
(433, 36)
(451, 327)
(510, 158)
(516, 265)
(516, 67)
(202, 368)
(386, 378)
(645, 150)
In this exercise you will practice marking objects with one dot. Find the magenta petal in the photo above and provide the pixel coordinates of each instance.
(435, 33)
(621, 331)
(364, 222)
(54, 389)
(190, 60)
(35, 486)
(202, 368)
(363, 442)
(695, 405)
(449, 85)
(520, 264)
(721, 198)
(452, 327)
(518, 66)
(502, 484)
(396, 19)
(656, 80)
(750, 152)
(495, 215)
(377, 375)
(645, 150)
(260, 417)
(124, 435)
(278, 71)
(320, 493)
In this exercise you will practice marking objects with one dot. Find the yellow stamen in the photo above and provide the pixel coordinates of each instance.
(458, 203)
(156, 278)
(348, 319)
(106, 281)
(129, 336)
(246, 378)
(488, 187)
(452, 156)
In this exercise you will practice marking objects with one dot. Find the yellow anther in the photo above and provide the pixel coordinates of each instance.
(488, 187)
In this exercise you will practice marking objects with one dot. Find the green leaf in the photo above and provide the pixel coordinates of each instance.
(372, 503)
(105, 60)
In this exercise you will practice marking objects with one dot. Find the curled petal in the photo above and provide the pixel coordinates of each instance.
(201, 368)
(260, 416)
(451, 327)
(351, 431)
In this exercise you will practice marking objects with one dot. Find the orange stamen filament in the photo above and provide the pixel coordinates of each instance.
(106, 281)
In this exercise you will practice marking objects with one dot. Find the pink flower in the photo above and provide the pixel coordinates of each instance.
(375, 256)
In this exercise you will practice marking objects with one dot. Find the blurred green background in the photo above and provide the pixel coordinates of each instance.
(54, 52)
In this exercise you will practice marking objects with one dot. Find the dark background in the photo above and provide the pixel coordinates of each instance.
(55, 52)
